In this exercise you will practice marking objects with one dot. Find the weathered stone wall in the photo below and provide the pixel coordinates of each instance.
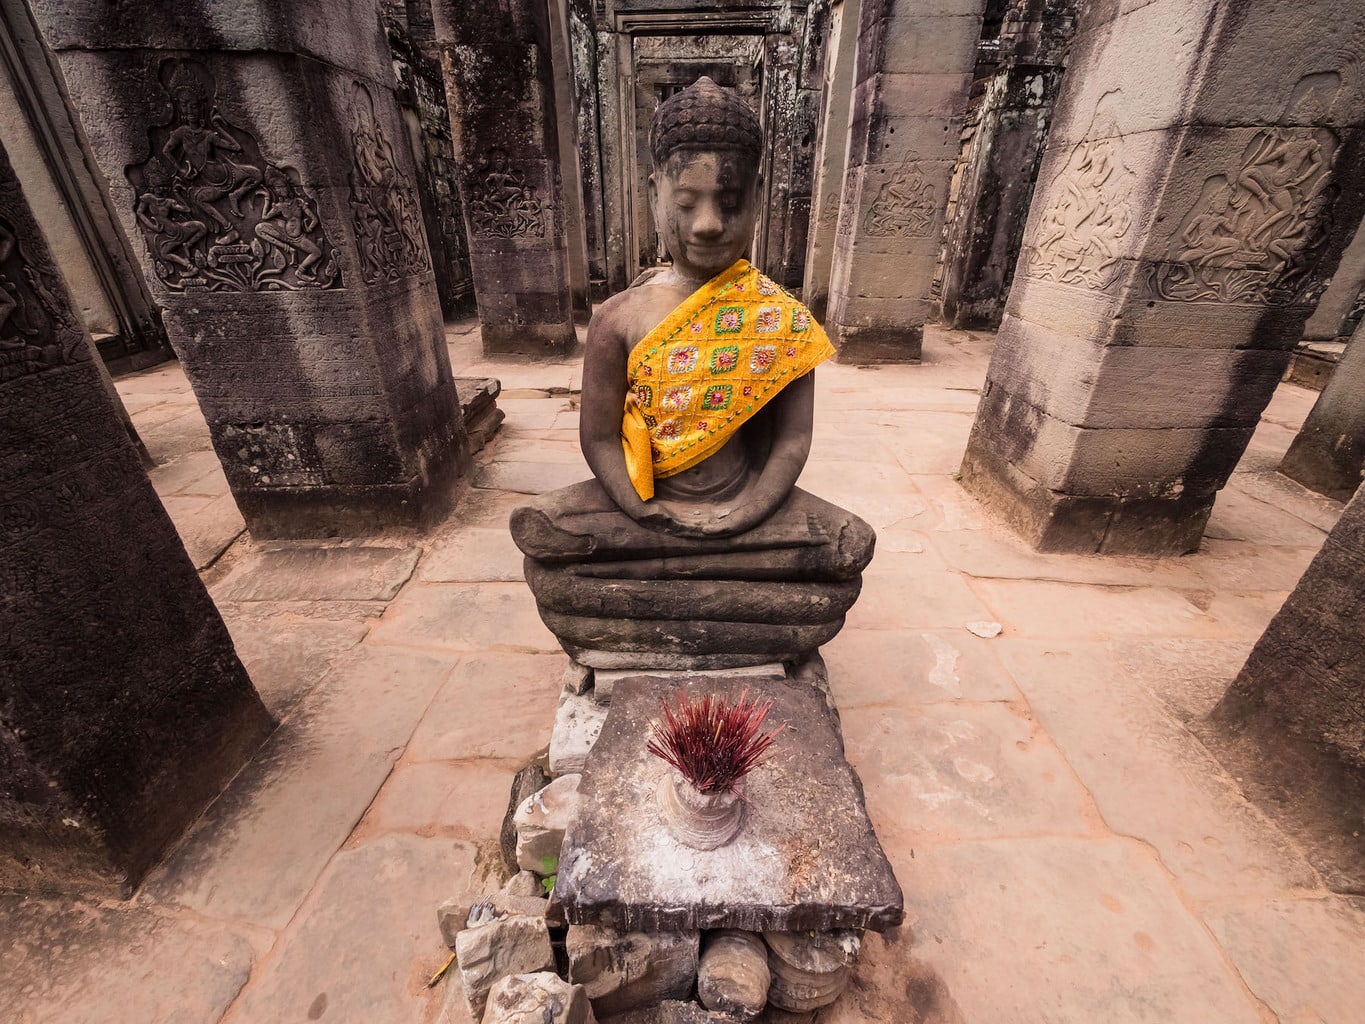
(422, 95)
(498, 67)
(831, 146)
(914, 70)
(49, 154)
(255, 153)
(1192, 198)
(123, 708)
(1328, 455)
(1004, 145)
(624, 50)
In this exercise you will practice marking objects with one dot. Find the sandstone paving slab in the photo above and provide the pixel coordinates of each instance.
(1238, 515)
(526, 449)
(529, 477)
(77, 963)
(1242, 565)
(198, 473)
(308, 572)
(1246, 615)
(876, 666)
(476, 555)
(878, 492)
(998, 554)
(963, 770)
(805, 857)
(478, 508)
(1039, 608)
(1149, 777)
(287, 653)
(931, 442)
(177, 436)
(261, 846)
(495, 705)
(1301, 956)
(946, 506)
(897, 599)
(207, 526)
(1189, 676)
(534, 413)
(465, 617)
(363, 947)
(465, 799)
(1068, 931)
(1276, 489)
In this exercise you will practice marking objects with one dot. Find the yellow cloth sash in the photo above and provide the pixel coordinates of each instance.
(712, 363)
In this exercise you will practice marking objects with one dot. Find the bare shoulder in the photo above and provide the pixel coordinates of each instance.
(622, 320)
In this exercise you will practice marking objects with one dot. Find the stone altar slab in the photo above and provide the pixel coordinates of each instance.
(806, 857)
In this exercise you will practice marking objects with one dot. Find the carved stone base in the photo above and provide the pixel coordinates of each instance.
(1053, 521)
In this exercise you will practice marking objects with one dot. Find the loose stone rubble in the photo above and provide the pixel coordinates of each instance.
(624, 971)
(537, 998)
(541, 820)
(494, 949)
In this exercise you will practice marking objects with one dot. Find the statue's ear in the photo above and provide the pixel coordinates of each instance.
(653, 190)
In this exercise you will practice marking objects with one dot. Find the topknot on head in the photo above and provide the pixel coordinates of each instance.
(704, 116)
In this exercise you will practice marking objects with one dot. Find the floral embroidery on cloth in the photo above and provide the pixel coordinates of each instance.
(724, 353)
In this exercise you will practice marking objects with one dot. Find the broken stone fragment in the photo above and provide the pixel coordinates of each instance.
(578, 679)
(540, 822)
(809, 969)
(498, 948)
(625, 970)
(523, 883)
(578, 722)
(454, 916)
(527, 781)
(733, 976)
(537, 998)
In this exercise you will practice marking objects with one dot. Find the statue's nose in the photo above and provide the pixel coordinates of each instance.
(707, 223)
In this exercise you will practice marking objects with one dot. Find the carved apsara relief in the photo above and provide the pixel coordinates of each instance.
(1078, 237)
(38, 329)
(215, 213)
(1257, 231)
(388, 218)
(501, 202)
(905, 205)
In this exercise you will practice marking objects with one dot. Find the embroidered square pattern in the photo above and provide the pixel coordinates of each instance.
(724, 359)
(800, 321)
(671, 429)
(682, 359)
(768, 319)
(677, 398)
(729, 319)
(761, 359)
(717, 396)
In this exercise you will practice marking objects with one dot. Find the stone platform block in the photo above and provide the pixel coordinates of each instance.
(806, 856)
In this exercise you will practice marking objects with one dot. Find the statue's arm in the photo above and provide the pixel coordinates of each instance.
(792, 415)
(603, 408)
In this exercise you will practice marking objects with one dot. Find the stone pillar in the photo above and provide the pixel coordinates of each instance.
(832, 150)
(914, 70)
(986, 223)
(256, 158)
(123, 707)
(571, 180)
(500, 83)
(422, 96)
(1298, 704)
(1328, 455)
(1193, 192)
(1342, 294)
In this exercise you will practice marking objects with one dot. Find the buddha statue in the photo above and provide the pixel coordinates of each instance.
(692, 546)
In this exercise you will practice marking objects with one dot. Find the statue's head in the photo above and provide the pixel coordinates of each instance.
(706, 145)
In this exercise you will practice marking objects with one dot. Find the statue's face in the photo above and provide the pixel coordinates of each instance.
(705, 206)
